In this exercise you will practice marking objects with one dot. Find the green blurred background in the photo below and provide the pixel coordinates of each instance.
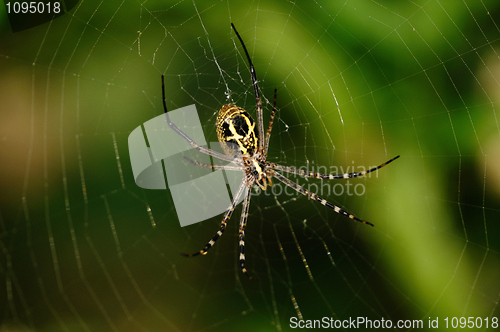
(359, 82)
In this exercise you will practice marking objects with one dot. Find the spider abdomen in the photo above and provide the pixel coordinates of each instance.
(236, 131)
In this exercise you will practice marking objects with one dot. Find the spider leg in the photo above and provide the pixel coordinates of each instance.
(224, 167)
(258, 101)
(223, 224)
(270, 126)
(311, 195)
(243, 223)
(174, 127)
(328, 176)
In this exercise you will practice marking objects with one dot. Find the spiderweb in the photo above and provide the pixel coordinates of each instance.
(359, 82)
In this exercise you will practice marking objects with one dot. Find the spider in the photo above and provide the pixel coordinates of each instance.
(244, 147)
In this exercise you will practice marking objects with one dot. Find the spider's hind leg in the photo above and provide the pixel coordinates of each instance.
(243, 223)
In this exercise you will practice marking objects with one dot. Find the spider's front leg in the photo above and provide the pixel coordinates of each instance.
(182, 134)
(303, 173)
(224, 167)
(323, 201)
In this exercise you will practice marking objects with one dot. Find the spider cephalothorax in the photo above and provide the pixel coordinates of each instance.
(258, 171)
(245, 146)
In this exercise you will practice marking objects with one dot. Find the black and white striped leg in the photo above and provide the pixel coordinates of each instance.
(174, 127)
(243, 224)
(224, 167)
(258, 101)
(270, 126)
(311, 195)
(303, 173)
(223, 224)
